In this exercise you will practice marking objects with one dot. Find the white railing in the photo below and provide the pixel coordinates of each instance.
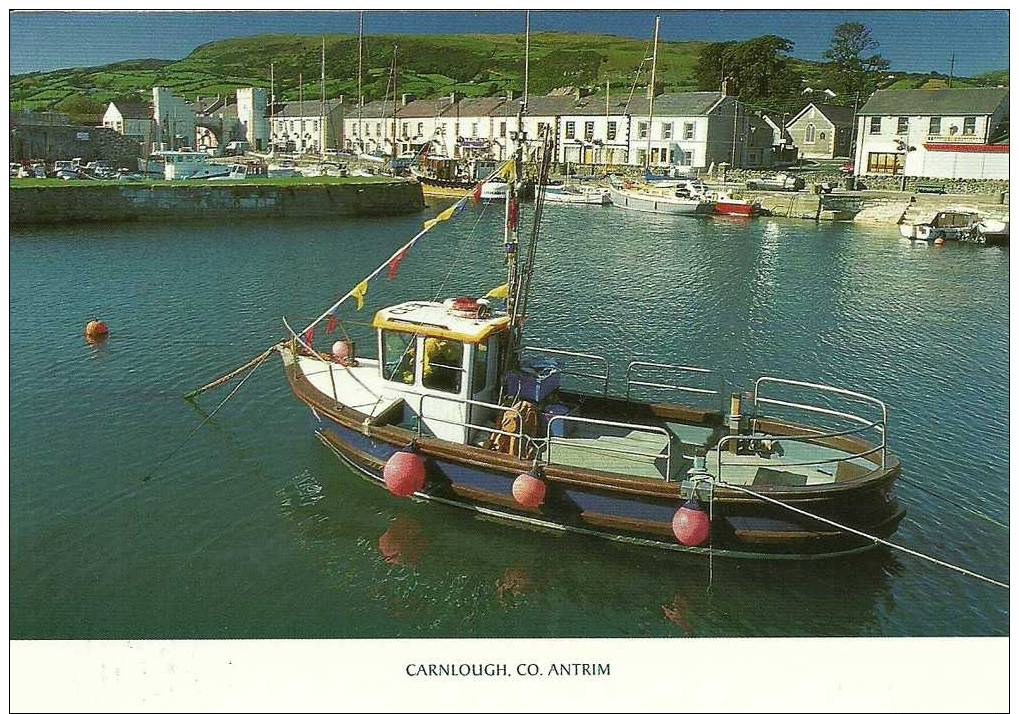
(878, 425)
(599, 363)
(565, 440)
(518, 434)
(676, 370)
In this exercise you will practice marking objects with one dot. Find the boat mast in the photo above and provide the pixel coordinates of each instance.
(322, 108)
(360, 61)
(394, 78)
(651, 93)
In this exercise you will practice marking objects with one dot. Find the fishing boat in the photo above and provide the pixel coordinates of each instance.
(726, 205)
(452, 405)
(945, 225)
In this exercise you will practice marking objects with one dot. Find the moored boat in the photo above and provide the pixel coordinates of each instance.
(651, 200)
(590, 196)
(451, 405)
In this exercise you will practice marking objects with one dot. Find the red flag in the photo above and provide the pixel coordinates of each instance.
(513, 208)
(308, 336)
(330, 325)
(476, 196)
(394, 263)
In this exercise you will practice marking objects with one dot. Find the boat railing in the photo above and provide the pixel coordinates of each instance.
(551, 440)
(521, 437)
(876, 423)
(682, 378)
(597, 369)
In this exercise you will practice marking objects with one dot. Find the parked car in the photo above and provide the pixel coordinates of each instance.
(847, 168)
(777, 182)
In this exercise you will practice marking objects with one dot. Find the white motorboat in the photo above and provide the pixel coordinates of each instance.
(945, 225)
(654, 200)
(577, 195)
(992, 232)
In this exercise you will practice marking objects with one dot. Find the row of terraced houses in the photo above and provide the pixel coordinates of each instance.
(943, 133)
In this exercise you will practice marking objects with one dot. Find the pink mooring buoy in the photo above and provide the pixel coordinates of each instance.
(691, 525)
(528, 491)
(341, 351)
(404, 473)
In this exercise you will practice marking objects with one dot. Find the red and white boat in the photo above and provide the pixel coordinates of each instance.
(725, 205)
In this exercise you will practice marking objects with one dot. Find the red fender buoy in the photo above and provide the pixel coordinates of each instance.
(691, 525)
(96, 329)
(404, 473)
(528, 490)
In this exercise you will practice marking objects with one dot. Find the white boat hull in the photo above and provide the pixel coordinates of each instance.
(654, 203)
(597, 197)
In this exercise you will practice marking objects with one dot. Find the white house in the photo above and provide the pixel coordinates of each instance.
(689, 130)
(470, 127)
(934, 133)
(308, 127)
(420, 122)
(595, 131)
(370, 127)
(174, 120)
(132, 119)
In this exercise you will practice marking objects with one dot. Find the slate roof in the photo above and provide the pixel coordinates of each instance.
(423, 108)
(474, 107)
(679, 104)
(133, 110)
(309, 108)
(935, 102)
(538, 105)
(379, 109)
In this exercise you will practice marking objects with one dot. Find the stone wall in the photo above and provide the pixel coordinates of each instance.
(65, 142)
(207, 201)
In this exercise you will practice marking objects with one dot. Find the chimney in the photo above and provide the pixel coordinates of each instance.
(512, 94)
(406, 99)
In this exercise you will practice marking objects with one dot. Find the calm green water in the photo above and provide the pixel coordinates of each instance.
(256, 530)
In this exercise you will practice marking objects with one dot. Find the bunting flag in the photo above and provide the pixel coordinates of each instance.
(308, 335)
(445, 215)
(509, 172)
(331, 324)
(394, 263)
(476, 193)
(514, 209)
(498, 293)
(358, 293)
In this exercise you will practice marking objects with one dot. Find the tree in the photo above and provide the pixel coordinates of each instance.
(757, 70)
(853, 63)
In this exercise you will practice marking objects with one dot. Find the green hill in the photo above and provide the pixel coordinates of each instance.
(428, 65)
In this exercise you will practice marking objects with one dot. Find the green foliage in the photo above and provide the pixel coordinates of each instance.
(757, 70)
(853, 63)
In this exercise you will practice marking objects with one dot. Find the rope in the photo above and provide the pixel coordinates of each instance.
(882, 541)
(206, 420)
(975, 512)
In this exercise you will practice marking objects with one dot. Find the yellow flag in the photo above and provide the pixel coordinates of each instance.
(444, 216)
(358, 293)
(499, 293)
(509, 171)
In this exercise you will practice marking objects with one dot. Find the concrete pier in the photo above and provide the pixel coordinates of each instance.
(114, 202)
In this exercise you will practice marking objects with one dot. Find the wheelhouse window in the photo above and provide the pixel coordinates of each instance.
(969, 126)
(875, 125)
(480, 368)
(809, 134)
(571, 130)
(903, 126)
(884, 163)
(398, 352)
(442, 366)
(935, 126)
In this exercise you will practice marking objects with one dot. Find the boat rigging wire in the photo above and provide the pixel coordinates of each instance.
(868, 536)
(975, 512)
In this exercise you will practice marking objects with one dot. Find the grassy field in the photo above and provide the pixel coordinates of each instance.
(291, 181)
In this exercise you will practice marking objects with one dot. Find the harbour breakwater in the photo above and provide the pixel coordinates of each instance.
(115, 202)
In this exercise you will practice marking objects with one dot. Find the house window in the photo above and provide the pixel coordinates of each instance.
(421, 128)
(667, 130)
(406, 129)
(571, 130)
(969, 126)
(642, 130)
(610, 133)
(882, 163)
(875, 125)
(641, 156)
(398, 350)
(903, 126)
(687, 158)
(502, 129)
(314, 125)
(589, 131)
(378, 129)
(809, 134)
(688, 130)
(442, 365)
(935, 127)
(474, 129)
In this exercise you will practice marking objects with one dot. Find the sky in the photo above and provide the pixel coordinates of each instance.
(921, 40)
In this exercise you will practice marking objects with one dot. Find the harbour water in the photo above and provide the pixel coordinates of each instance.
(254, 529)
